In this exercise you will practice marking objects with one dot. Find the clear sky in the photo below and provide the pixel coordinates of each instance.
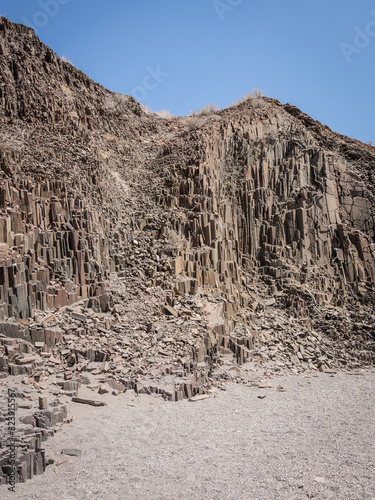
(181, 54)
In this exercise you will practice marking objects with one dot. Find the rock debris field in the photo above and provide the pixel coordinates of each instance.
(314, 439)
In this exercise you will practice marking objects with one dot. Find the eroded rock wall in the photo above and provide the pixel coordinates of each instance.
(263, 198)
(257, 198)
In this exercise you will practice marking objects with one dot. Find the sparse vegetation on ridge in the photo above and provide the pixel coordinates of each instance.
(163, 113)
(208, 109)
(254, 94)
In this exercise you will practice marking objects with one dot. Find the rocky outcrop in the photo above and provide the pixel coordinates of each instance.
(258, 193)
(271, 210)
(62, 223)
(162, 254)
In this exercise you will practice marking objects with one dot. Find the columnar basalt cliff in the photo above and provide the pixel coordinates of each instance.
(257, 192)
(165, 252)
(290, 203)
(64, 207)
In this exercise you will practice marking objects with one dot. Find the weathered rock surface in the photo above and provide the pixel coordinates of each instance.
(159, 255)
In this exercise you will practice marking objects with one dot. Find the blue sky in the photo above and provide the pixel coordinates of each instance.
(181, 54)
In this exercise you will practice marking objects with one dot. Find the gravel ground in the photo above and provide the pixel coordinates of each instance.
(314, 440)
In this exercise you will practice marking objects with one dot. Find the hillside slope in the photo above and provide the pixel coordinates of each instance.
(161, 254)
(258, 200)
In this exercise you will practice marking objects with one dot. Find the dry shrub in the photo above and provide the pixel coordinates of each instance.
(254, 94)
(208, 109)
(164, 113)
(146, 109)
(194, 121)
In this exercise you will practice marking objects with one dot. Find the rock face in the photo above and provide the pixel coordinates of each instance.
(258, 199)
(56, 246)
(270, 196)
(161, 254)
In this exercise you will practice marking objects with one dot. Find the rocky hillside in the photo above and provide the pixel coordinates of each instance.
(255, 202)
(165, 252)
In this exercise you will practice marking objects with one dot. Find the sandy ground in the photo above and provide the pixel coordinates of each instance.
(315, 440)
